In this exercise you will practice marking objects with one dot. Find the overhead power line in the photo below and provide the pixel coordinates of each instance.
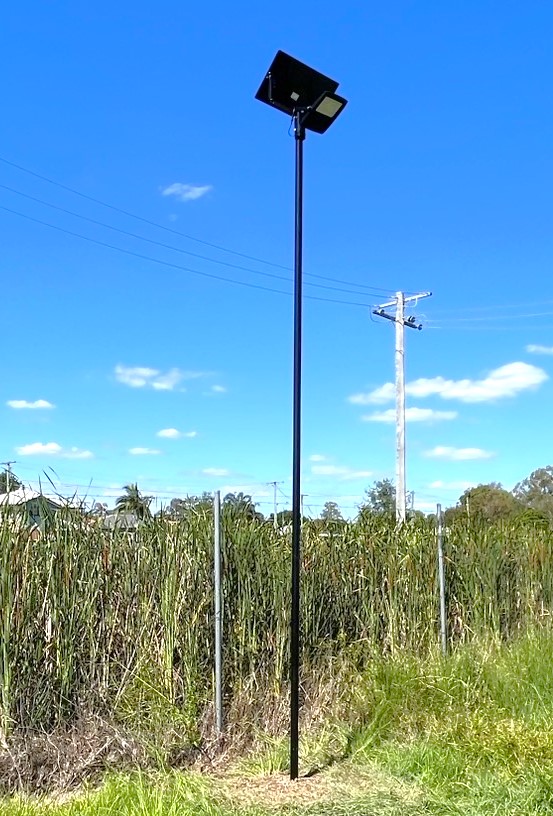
(494, 318)
(189, 237)
(171, 265)
(134, 215)
(171, 247)
(492, 307)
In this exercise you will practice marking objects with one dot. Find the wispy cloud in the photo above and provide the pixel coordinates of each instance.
(411, 415)
(213, 471)
(36, 405)
(144, 451)
(317, 457)
(53, 449)
(173, 433)
(186, 192)
(458, 454)
(215, 389)
(533, 349)
(382, 394)
(505, 381)
(341, 472)
(76, 453)
(143, 377)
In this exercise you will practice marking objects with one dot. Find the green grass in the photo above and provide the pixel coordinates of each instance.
(118, 628)
(466, 735)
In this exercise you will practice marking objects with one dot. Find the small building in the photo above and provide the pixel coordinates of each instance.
(120, 520)
(35, 508)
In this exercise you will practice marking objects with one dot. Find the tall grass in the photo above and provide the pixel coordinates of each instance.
(121, 624)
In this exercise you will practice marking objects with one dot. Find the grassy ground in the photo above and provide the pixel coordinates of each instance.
(471, 734)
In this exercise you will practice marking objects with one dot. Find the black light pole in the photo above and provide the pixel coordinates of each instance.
(299, 133)
(310, 99)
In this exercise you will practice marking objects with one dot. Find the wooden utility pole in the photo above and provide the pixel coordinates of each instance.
(400, 323)
(8, 466)
(400, 407)
(275, 503)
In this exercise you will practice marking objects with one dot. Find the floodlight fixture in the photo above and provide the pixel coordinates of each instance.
(298, 90)
(310, 99)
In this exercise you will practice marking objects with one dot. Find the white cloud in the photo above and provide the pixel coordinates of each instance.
(342, 472)
(36, 405)
(53, 449)
(39, 448)
(173, 433)
(143, 377)
(168, 381)
(411, 415)
(505, 381)
(356, 474)
(186, 192)
(215, 389)
(76, 453)
(211, 471)
(533, 349)
(136, 377)
(169, 433)
(458, 454)
(317, 457)
(385, 393)
(144, 451)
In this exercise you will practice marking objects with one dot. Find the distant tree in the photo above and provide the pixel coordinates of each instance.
(490, 502)
(179, 508)
(241, 505)
(536, 492)
(99, 509)
(14, 482)
(331, 512)
(284, 518)
(452, 514)
(134, 502)
(380, 499)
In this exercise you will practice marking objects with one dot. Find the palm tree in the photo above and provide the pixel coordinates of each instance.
(134, 502)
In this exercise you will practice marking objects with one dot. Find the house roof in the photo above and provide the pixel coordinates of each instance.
(121, 520)
(25, 494)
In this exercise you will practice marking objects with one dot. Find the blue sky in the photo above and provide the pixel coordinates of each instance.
(121, 363)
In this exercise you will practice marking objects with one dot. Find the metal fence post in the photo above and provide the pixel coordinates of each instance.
(218, 613)
(441, 576)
